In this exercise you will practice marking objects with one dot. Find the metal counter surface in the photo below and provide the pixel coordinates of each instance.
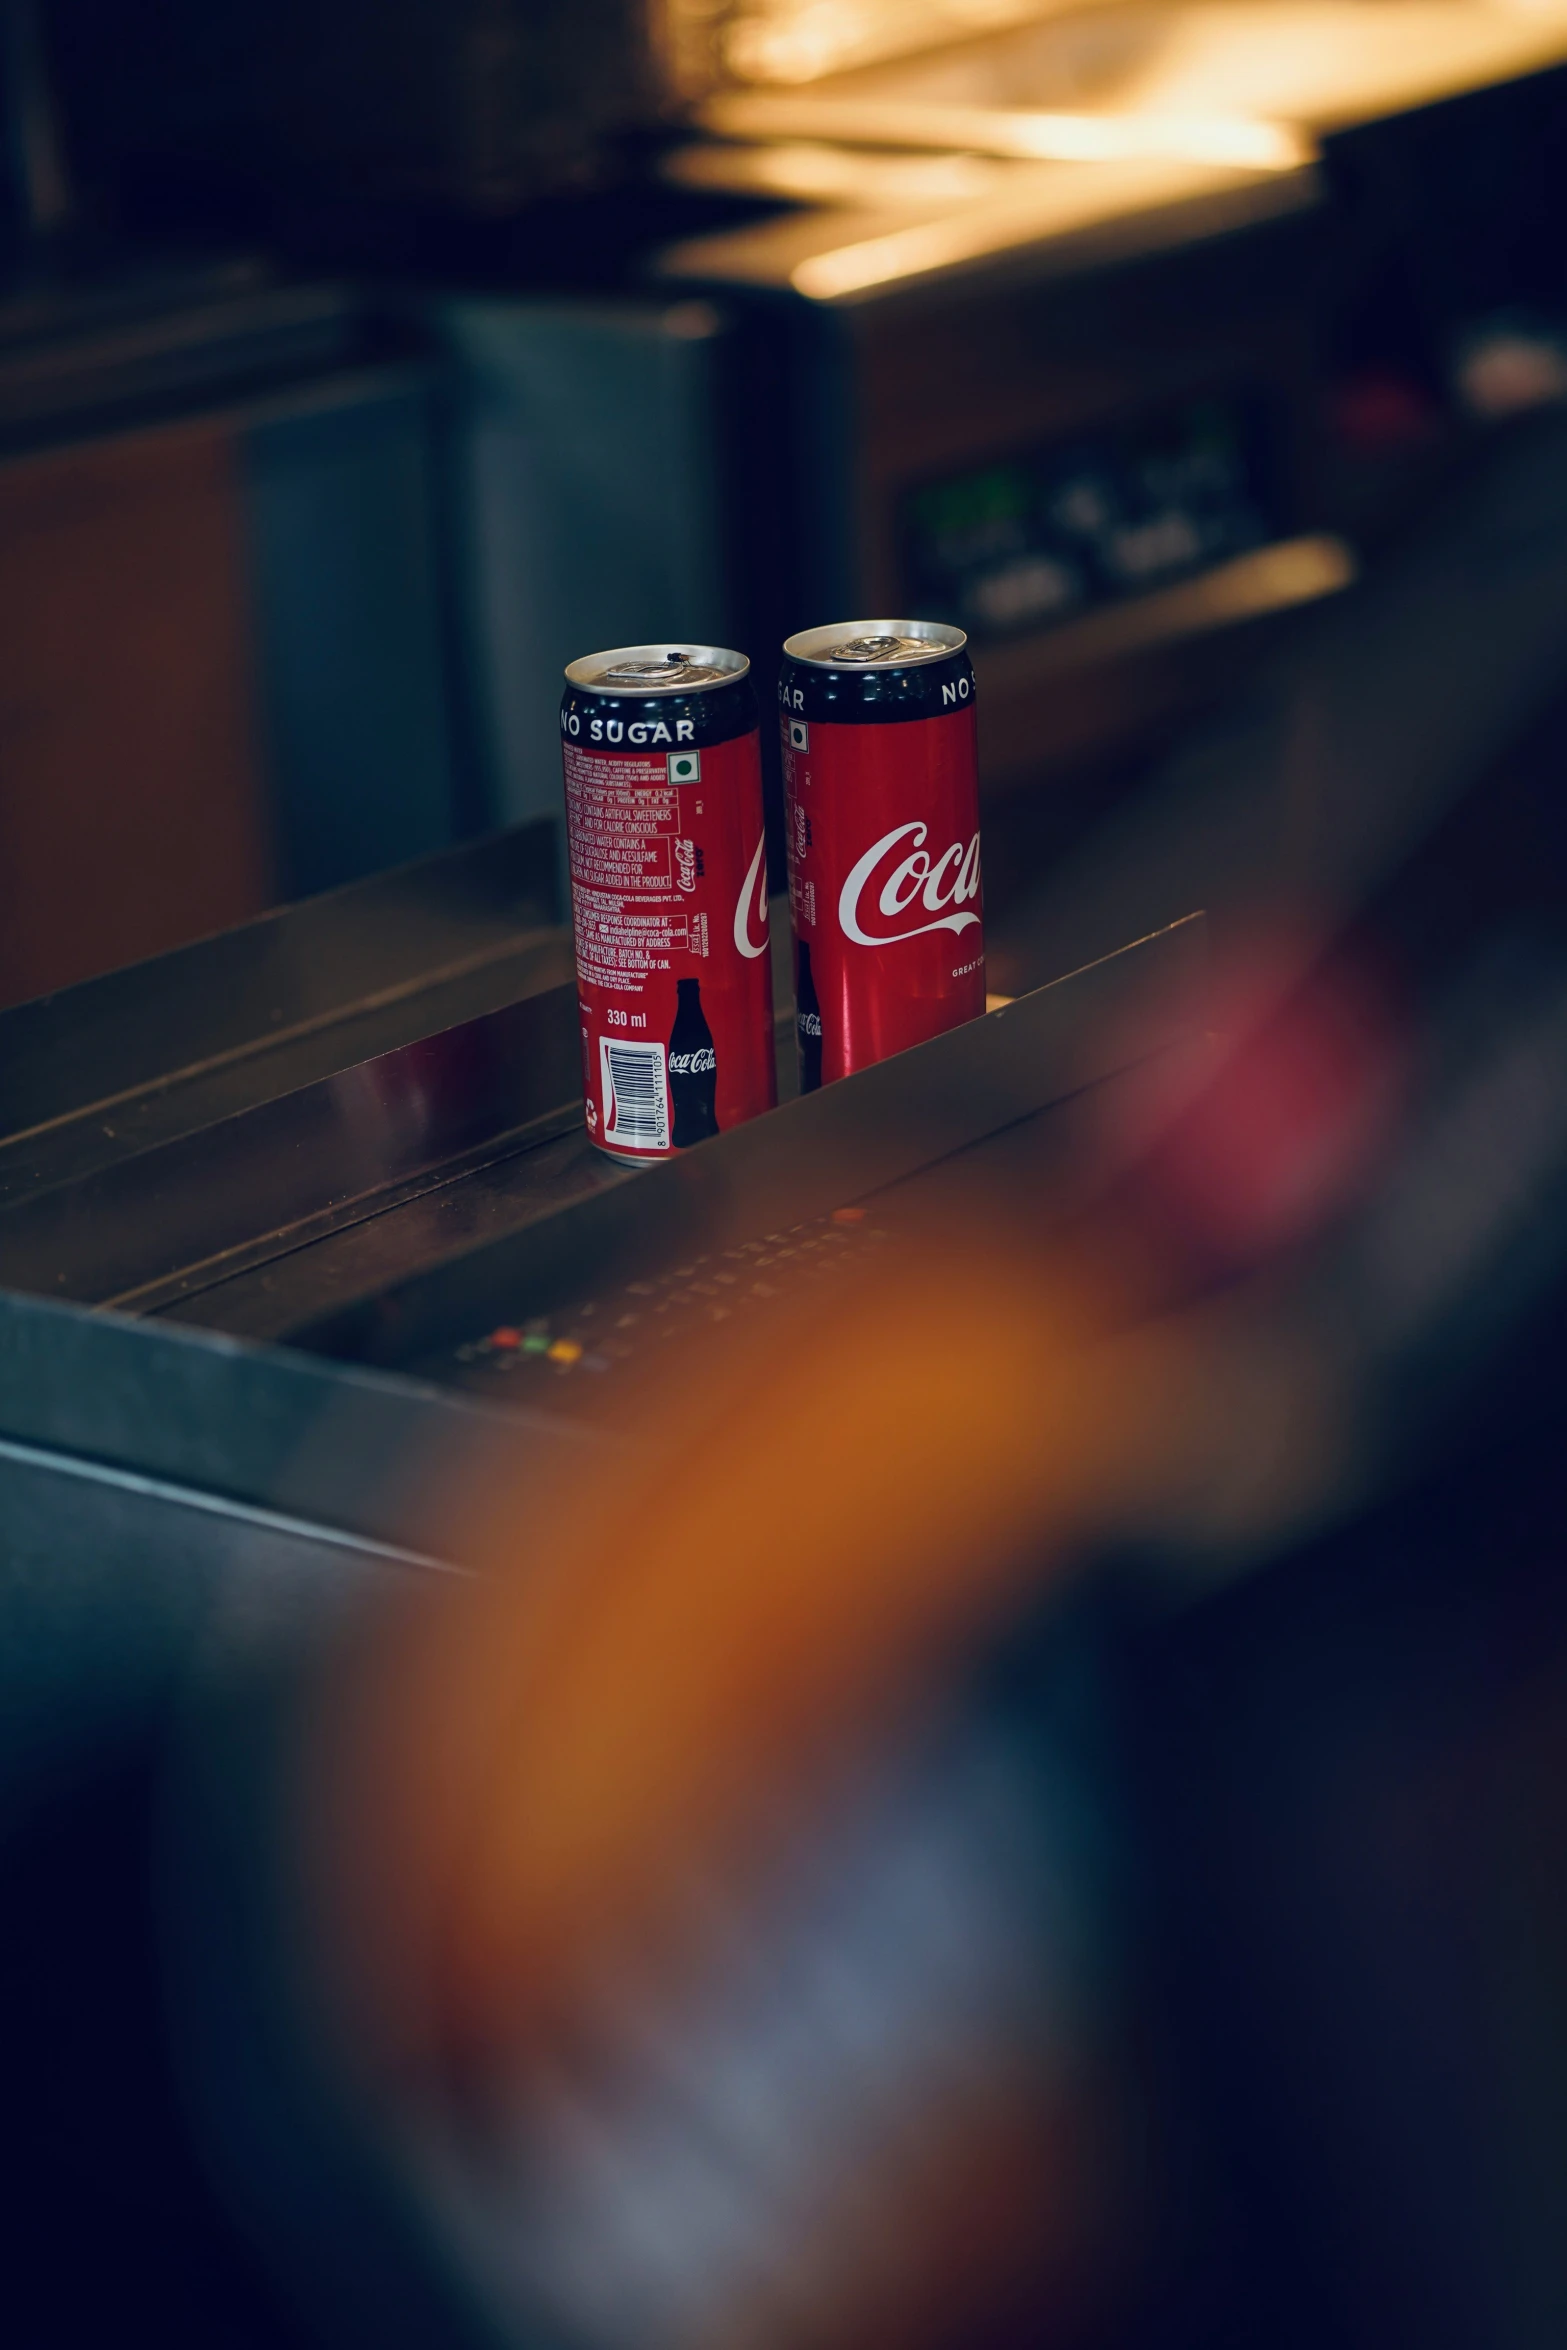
(173, 1494)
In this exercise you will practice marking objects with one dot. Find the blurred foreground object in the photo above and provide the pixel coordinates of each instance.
(666, 1876)
(1097, 1513)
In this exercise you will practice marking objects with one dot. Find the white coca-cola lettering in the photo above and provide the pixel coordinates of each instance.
(914, 883)
(685, 864)
(751, 907)
(809, 1023)
(697, 1064)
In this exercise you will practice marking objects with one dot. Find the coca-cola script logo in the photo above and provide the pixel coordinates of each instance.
(685, 864)
(751, 907)
(882, 882)
(700, 1063)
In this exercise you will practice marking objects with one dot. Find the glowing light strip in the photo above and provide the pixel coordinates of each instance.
(1243, 142)
(1078, 207)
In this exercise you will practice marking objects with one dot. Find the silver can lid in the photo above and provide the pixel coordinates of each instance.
(662, 668)
(875, 644)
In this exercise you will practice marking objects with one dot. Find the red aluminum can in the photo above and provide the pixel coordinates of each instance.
(881, 795)
(668, 895)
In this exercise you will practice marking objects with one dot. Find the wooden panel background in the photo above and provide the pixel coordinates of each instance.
(132, 794)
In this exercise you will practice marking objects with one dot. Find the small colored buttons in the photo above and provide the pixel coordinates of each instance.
(565, 1351)
(504, 1340)
(537, 1342)
(848, 1215)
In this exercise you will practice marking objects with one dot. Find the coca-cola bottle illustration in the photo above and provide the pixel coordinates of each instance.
(807, 1022)
(693, 1069)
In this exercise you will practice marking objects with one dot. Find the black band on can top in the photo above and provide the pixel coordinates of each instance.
(666, 696)
(875, 672)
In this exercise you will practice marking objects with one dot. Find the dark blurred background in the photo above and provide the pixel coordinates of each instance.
(358, 366)
(361, 364)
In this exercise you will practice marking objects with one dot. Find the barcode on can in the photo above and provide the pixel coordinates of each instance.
(636, 1100)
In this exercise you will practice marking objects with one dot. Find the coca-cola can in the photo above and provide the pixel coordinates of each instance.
(881, 795)
(668, 895)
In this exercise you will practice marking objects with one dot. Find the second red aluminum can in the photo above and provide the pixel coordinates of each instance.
(669, 895)
(881, 800)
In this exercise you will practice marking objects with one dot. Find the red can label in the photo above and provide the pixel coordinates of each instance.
(884, 884)
(669, 905)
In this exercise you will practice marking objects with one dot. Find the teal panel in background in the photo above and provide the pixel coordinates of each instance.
(584, 506)
(352, 656)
